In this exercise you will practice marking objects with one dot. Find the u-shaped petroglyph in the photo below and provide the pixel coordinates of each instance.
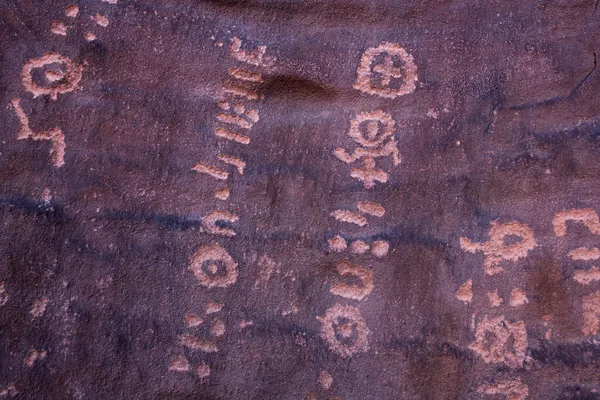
(351, 291)
(209, 222)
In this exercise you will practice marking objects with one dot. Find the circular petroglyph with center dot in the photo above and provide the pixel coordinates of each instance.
(61, 75)
(214, 267)
(344, 330)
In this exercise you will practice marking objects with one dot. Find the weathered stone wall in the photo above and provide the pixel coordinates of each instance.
(309, 200)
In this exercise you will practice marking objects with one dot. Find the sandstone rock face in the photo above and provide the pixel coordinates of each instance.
(314, 200)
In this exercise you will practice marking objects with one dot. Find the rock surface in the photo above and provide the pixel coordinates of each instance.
(311, 200)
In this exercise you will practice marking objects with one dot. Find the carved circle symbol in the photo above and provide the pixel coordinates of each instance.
(387, 71)
(214, 267)
(63, 79)
(379, 126)
(344, 330)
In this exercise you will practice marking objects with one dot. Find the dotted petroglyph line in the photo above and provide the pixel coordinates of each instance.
(590, 302)
(211, 264)
(350, 217)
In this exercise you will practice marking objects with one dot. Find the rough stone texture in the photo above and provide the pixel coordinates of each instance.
(97, 298)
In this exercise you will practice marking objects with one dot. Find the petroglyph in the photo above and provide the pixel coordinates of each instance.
(500, 341)
(496, 250)
(214, 267)
(337, 244)
(350, 217)
(267, 269)
(512, 389)
(33, 356)
(234, 120)
(355, 292)
(192, 320)
(376, 77)
(215, 172)
(245, 324)
(233, 136)
(585, 254)
(70, 82)
(380, 248)
(9, 391)
(359, 247)
(3, 294)
(325, 380)
(377, 141)
(209, 222)
(217, 327)
(179, 364)
(371, 208)
(195, 343)
(39, 308)
(344, 330)
(202, 370)
(591, 313)
(89, 36)
(110, 1)
(245, 75)
(465, 293)
(517, 298)
(255, 57)
(213, 307)
(494, 298)
(101, 20)
(240, 91)
(586, 216)
(236, 162)
(54, 135)
(587, 277)
(72, 11)
(222, 194)
(58, 28)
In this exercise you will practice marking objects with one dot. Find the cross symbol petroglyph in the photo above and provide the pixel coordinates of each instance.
(387, 70)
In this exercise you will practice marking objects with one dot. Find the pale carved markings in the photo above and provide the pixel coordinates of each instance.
(209, 223)
(465, 293)
(590, 302)
(72, 12)
(33, 356)
(39, 307)
(387, 70)
(9, 391)
(54, 135)
(3, 294)
(353, 291)
(268, 267)
(350, 217)
(500, 341)
(373, 132)
(379, 248)
(325, 380)
(513, 389)
(236, 117)
(344, 330)
(197, 344)
(496, 250)
(214, 267)
(70, 75)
